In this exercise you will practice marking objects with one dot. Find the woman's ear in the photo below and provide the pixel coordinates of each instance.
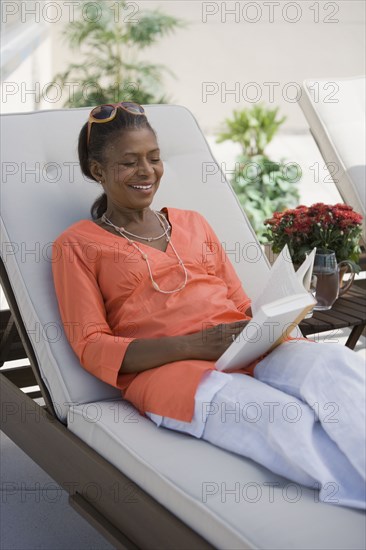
(96, 170)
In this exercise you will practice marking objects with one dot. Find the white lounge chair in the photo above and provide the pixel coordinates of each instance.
(154, 488)
(335, 109)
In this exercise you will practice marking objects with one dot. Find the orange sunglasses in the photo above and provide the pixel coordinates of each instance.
(108, 111)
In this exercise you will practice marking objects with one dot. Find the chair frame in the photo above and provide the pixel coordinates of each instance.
(122, 507)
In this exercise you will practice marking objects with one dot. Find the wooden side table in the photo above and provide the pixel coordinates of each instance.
(348, 311)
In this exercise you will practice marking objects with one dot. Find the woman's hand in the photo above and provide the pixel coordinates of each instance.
(209, 344)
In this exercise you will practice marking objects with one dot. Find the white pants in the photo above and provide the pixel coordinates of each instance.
(302, 416)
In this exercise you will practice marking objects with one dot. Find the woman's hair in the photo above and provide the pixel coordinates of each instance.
(101, 136)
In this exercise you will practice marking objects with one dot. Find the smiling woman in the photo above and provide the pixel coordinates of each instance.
(158, 305)
(130, 173)
(125, 162)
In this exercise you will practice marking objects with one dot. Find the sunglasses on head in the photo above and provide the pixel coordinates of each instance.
(107, 112)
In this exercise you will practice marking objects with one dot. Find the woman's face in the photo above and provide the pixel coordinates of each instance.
(132, 169)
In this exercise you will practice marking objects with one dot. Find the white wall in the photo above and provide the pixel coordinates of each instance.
(220, 51)
(25, 56)
(21, 91)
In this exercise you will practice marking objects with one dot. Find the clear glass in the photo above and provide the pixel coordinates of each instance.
(325, 281)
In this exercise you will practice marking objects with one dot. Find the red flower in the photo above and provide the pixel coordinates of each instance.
(336, 227)
(342, 206)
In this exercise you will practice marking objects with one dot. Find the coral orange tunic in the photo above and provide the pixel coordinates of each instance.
(106, 300)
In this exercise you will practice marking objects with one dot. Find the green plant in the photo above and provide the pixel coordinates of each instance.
(252, 128)
(261, 184)
(111, 69)
(334, 227)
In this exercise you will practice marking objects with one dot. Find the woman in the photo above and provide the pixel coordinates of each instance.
(150, 301)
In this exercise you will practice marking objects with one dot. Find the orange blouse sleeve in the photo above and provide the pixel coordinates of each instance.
(83, 313)
(225, 269)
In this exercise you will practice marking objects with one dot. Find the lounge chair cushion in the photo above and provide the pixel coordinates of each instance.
(229, 500)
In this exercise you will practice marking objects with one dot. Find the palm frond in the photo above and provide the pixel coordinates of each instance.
(150, 27)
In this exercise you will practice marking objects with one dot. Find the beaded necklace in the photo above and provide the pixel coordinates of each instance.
(149, 239)
(165, 225)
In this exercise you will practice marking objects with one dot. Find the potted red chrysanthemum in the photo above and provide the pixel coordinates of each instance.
(332, 227)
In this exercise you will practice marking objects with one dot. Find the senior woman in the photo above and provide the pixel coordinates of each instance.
(150, 301)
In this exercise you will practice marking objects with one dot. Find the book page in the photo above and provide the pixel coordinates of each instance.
(282, 304)
(268, 328)
(305, 270)
(282, 281)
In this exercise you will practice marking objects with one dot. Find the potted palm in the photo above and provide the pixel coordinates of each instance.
(261, 184)
(111, 68)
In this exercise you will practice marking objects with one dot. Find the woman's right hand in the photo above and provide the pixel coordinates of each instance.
(209, 344)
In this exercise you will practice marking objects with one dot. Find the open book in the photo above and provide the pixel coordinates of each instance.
(283, 303)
